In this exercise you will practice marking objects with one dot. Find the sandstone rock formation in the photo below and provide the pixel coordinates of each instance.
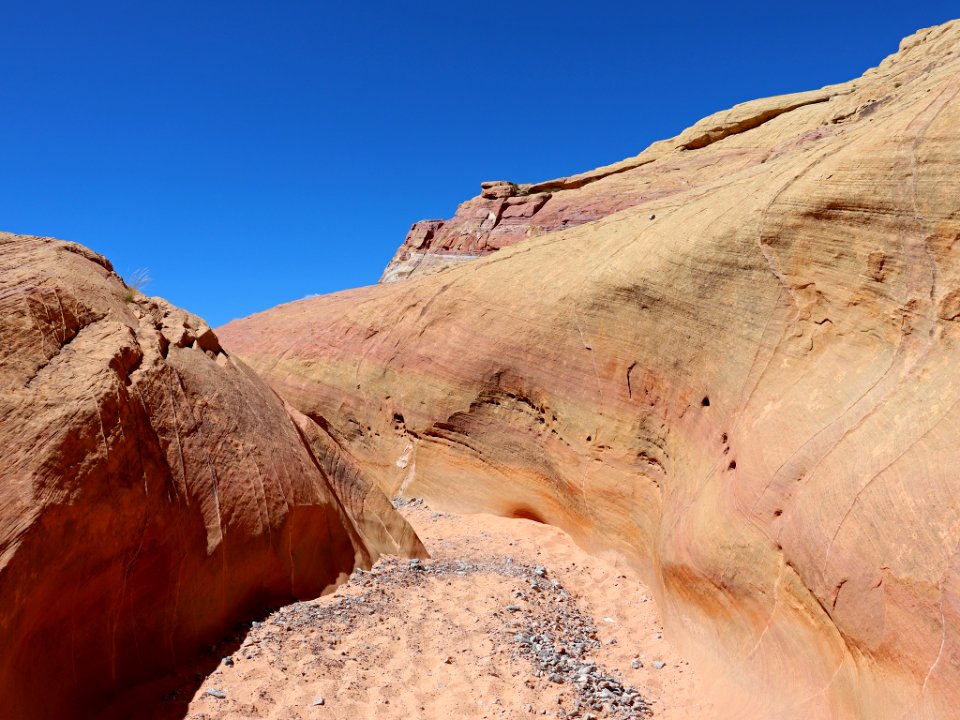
(155, 491)
(506, 213)
(731, 360)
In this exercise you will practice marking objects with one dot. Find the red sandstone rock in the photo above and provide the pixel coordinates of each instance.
(154, 490)
(731, 361)
(526, 206)
(422, 233)
(497, 189)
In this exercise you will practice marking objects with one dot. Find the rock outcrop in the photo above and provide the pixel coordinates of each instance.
(154, 490)
(731, 360)
(506, 213)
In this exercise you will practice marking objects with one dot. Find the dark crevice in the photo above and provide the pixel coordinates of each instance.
(523, 513)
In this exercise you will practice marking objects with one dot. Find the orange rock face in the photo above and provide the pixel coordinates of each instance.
(736, 367)
(155, 491)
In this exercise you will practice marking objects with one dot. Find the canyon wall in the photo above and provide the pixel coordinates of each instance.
(155, 491)
(735, 366)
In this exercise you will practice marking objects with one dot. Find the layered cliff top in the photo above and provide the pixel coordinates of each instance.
(506, 213)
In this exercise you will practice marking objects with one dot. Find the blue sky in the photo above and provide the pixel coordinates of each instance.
(251, 153)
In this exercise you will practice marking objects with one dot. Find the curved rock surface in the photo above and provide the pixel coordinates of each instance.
(155, 491)
(505, 213)
(736, 367)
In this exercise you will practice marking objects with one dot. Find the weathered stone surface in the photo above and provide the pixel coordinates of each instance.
(656, 173)
(496, 189)
(422, 233)
(154, 490)
(731, 360)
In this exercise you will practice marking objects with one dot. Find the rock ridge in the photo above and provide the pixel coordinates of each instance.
(477, 230)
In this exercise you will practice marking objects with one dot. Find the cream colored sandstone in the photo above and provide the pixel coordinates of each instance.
(744, 380)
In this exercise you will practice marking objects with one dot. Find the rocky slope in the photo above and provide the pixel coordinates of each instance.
(155, 491)
(738, 371)
(505, 213)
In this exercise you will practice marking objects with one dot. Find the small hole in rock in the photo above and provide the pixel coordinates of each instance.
(733, 465)
(705, 402)
(723, 438)
(589, 438)
(527, 514)
(777, 513)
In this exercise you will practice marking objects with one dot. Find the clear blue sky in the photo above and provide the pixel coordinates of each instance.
(251, 153)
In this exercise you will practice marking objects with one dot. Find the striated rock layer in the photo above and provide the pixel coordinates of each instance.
(736, 367)
(155, 491)
(505, 213)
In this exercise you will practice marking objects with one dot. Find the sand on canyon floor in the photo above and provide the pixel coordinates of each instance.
(508, 619)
